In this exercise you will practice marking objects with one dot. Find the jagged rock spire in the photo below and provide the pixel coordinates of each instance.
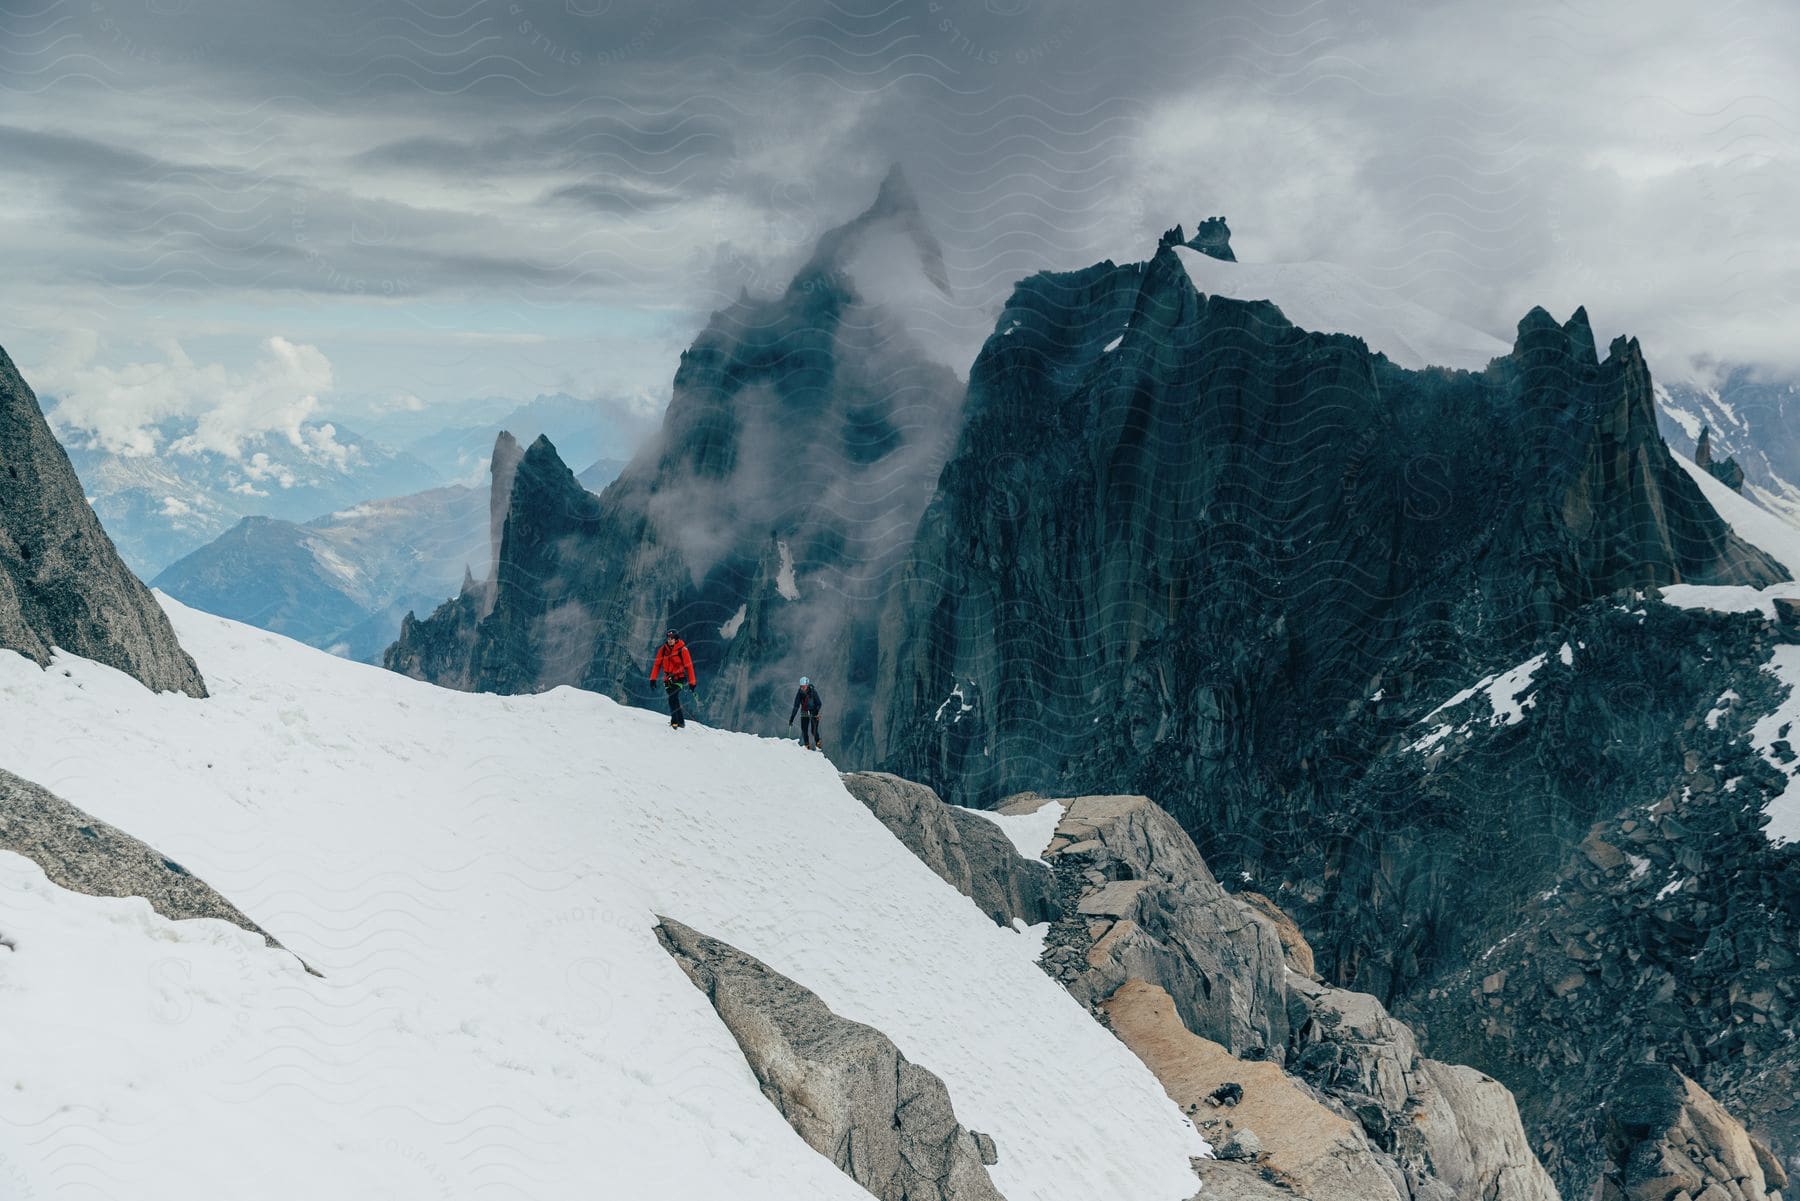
(895, 205)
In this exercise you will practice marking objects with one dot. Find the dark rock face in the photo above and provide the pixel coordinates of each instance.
(88, 856)
(1234, 565)
(765, 522)
(1667, 930)
(61, 582)
(844, 1087)
(1159, 565)
(1726, 471)
(966, 850)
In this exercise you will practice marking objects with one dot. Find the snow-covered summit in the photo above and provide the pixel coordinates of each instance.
(477, 877)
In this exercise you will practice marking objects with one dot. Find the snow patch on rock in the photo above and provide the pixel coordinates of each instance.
(784, 577)
(1782, 726)
(734, 623)
(1507, 696)
(1030, 832)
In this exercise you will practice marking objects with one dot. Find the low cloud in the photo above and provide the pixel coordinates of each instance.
(126, 409)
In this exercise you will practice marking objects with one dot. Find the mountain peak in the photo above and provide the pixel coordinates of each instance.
(1581, 336)
(1212, 237)
(895, 195)
(894, 210)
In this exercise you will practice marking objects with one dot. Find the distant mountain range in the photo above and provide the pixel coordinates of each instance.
(1748, 416)
(342, 582)
(161, 506)
(584, 431)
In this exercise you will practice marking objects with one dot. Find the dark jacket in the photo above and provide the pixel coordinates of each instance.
(808, 698)
(673, 660)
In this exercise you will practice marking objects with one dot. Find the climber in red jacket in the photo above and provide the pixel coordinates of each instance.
(672, 663)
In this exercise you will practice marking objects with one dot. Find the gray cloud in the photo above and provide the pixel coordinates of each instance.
(546, 165)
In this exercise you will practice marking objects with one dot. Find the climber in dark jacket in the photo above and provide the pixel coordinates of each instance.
(807, 705)
(672, 663)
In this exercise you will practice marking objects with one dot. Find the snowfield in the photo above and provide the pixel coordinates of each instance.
(477, 877)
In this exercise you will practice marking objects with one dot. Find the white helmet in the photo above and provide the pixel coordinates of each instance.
(804, 681)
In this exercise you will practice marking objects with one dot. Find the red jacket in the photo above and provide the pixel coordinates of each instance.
(673, 660)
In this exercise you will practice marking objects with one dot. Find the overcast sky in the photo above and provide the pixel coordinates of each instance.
(239, 202)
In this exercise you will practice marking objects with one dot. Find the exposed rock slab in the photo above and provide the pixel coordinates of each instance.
(967, 850)
(1294, 945)
(84, 855)
(1182, 970)
(1317, 1154)
(844, 1087)
(62, 584)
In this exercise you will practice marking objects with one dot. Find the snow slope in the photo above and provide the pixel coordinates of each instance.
(1329, 298)
(1753, 523)
(476, 877)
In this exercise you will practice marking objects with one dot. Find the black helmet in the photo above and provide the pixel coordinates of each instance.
(672, 634)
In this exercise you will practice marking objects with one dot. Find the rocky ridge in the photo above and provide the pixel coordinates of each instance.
(1198, 982)
(61, 582)
(1666, 931)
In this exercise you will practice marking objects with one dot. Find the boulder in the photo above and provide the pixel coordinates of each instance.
(1446, 1126)
(1666, 1135)
(968, 851)
(1314, 1152)
(886, 1122)
(1241, 1144)
(1127, 860)
(61, 582)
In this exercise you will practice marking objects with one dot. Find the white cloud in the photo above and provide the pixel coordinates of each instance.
(260, 467)
(117, 408)
(1481, 160)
